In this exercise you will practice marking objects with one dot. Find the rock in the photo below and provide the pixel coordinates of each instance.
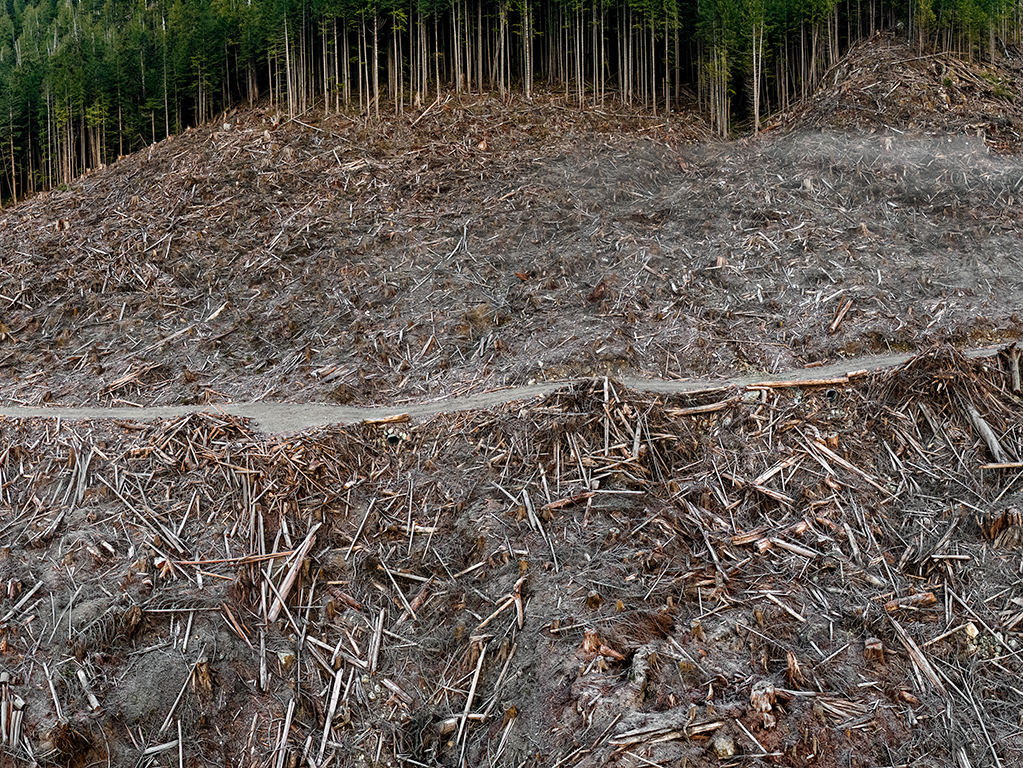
(724, 746)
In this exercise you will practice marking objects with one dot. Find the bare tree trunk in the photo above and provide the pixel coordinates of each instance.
(337, 70)
(667, 70)
(500, 47)
(479, 47)
(758, 62)
(50, 137)
(346, 61)
(621, 59)
(270, 79)
(436, 54)
(287, 72)
(376, 66)
(363, 95)
(456, 47)
(601, 78)
(653, 68)
(578, 45)
(401, 71)
(528, 42)
(326, 68)
(14, 169)
(424, 62)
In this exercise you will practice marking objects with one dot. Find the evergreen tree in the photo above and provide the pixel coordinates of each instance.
(85, 81)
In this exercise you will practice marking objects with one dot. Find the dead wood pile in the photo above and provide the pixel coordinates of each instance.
(821, 574)
(885, 85)
(262, 257)
(481, 244)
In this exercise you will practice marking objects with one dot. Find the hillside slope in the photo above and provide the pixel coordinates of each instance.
(480, 245)
(822, 572)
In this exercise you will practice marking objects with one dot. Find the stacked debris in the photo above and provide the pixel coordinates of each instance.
(798, 573)
(886, 85)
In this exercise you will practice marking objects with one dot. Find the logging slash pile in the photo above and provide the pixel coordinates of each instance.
(483, 244)
(883, 85)
(799, 575)
(798, 572)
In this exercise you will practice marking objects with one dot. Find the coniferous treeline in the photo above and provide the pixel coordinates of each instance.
(84, 81)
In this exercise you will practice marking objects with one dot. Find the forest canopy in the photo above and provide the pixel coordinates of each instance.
(82, 83)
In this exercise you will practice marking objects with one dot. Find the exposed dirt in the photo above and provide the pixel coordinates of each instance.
(597, 578)
(816, 573)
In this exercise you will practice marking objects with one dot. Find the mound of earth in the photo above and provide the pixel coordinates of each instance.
(486, 245)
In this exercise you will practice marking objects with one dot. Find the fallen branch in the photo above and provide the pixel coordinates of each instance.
(985, 431)
(289, 579)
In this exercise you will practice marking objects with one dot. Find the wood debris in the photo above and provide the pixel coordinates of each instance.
(810, 570)
(673, 598)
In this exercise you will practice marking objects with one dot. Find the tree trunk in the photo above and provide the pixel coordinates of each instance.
(479, 47)
(436, 54)
(337, 70)
(14, 168)
(667, 70)
(456, 47)
(376, 66)
(363, 89)
(325, 68)
(653, 68)
(528, 43)
(502, 33)
(287, 72)
(758, 63)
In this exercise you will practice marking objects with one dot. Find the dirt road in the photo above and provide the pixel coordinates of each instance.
(283, 418)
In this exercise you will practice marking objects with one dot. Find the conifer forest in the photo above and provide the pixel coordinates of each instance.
(83, 82)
